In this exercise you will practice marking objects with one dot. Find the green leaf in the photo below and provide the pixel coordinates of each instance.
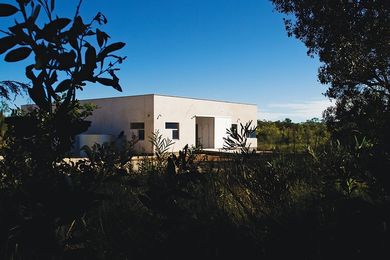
(64, 85)
(17, 54)
(7, 43)
(7, 10)
(110, 48)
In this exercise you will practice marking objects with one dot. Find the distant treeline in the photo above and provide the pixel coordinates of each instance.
(288, 136)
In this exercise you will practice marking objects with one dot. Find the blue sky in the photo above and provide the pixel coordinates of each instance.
(235, 50)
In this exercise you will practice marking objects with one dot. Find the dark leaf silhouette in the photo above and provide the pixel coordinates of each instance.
(106, 81)
(38, 95)
(18, 54)
(78, 26)
(53, 78)
(49, 31)
(67, 60)
(64, 85)
(7, 10)
(35, 14)
(30, 73)
(7, 43)
(20, 35)
(58, 24)
(100, 18)
(90, 59)
(110, 48)
(100, 37)
(49, 41)
(110, 82)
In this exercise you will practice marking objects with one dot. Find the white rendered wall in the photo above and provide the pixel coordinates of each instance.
(185, 111)
(221, 124)
(115, 115)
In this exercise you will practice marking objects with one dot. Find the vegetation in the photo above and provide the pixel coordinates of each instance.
(351, 39)
(321, 204)
(291, 137)
(322, 199)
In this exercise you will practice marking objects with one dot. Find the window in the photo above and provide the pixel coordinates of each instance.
(141, 134)
(169, 125)
(175, 129)
(175, 134)
(139, 127)
(234, 128)
(251, 134)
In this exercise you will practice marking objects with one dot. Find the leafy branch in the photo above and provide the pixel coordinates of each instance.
(64, 54)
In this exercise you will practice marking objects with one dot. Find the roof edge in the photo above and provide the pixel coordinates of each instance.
(173, 96)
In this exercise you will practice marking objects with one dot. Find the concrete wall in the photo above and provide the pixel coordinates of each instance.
(114, 115)
(221, 124)
(185, 111)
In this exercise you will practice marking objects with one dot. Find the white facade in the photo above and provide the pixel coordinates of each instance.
(183, 120)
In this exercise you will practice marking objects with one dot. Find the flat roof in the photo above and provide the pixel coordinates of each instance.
(161, 95)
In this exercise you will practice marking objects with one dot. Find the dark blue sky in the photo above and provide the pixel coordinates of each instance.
(234, 50)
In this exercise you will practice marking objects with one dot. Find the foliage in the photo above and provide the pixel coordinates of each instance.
(64, 60)
(41, 137)
(62, 49)
(351, 40)
(239, 139)
(288, 136)
(10, 89)
(319, 205)
(161, 145)
(307, 203)
(114, 156)
(184, 162)
(43, 198)
(161, 148)
(328, 202)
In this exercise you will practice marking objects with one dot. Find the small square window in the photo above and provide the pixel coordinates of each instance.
(251, 134)
(170, 125)
(175, 134)
(137, 125)
(139, 128)
(141, 134)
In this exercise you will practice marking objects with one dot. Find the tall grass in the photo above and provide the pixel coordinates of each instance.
(320, 204)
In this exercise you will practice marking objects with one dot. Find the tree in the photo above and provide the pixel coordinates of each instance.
(41, 194)
(65, 59)
(62, 49)
(352, 40)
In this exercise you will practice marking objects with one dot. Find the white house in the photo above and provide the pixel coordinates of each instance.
(184, 120)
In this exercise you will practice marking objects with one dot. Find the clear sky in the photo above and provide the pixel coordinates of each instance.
(234, 50)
